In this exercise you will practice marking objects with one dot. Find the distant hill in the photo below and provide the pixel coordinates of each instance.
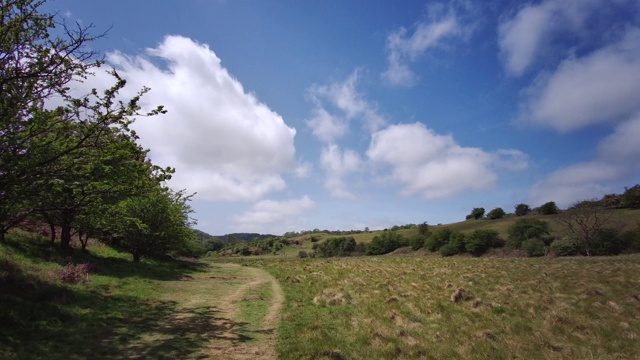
(232, 238)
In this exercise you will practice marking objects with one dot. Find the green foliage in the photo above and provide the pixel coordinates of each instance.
(456, 245)
(417, 241)
(339, 246)
(522, 209)
(476, 213)
(153, 224)
(567, 246)
(534, 247)
(497, 213)
(631, 197)
(438, 239)
(527, 228)
(385, 243)
(549, 208)
(480, 241)
(607, 241)
(423, 229)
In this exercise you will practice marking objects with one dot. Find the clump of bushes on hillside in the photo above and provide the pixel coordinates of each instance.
(385, 243)
(339, 246)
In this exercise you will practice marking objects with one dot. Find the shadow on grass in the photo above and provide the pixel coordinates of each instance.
(38, 249)
(39, 319)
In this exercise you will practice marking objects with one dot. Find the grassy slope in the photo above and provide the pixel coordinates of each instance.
(158, 310)
(400, 307)
(621, 219)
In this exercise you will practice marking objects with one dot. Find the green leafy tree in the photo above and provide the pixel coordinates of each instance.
(527, 228)
(34, 65)
(476, 213)
(548, 208)
(154, 224)
(631, 197)
(522, 209)
(423, 229)
(497, 213)
(438, 239)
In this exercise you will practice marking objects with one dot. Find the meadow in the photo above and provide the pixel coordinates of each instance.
(409, 307)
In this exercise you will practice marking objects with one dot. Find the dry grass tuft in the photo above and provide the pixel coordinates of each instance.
(331, 298)
(460, 295)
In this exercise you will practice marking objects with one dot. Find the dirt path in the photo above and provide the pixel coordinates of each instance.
(232, 342)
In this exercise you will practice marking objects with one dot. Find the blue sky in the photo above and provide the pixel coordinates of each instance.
(293, 115)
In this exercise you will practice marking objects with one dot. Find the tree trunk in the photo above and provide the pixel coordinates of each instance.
(2, 238)
(52, 227)
(65, 232)
(136, 257)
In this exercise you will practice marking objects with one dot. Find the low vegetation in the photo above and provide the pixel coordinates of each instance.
(412, 307)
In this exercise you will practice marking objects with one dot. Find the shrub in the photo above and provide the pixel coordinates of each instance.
(549, 208)
(522, 209)
(438, 239)
(455, 245)
(417, 241)
(497, 213)
(481, 240)
(476, 213)
(567, 246)
(534, 247)
(303, 254)
(527, 228)
(631, 197)
(385, 243)
(607, 241)
(339, 246)
(631, 240)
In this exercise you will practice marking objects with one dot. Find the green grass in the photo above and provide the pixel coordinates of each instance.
(154, 309)
(400, 307)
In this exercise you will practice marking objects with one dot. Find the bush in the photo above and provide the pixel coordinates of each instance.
(549, 208)
(607, 241)
(497, 213)
(631, 197)
(385, 243)
(417, 241)
(438, 239)
(527, 228)
(522, 209)
(303, 254)
(455, 245)
(476, 213)
(339, 246)
(481, 240)
(534, 247)
(567, 246)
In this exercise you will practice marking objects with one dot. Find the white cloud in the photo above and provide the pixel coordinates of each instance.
(337, 165)
(343, 97)
(524, 37)
(224, 143)
(404, 48)
(616, 159)
(270, 216)
(430, 165)
(601, 87)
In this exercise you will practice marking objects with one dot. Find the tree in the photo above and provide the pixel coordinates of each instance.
(153, 224)
(34, 65)
(387, 242)
(423, 229)
(482, 240)
(549, 208)
(631, 197)
(528, 228)
(497, 213)
(583, 220)
(522, 209)
(476, 213)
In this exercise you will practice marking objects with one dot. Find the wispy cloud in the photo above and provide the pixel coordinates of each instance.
(277, 217)
(406, 46)
(338, 164)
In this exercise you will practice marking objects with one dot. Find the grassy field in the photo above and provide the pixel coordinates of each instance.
(406, 307)
(153, 310)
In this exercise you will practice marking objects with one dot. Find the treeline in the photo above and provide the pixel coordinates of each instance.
(78, 167)
(629, 199)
